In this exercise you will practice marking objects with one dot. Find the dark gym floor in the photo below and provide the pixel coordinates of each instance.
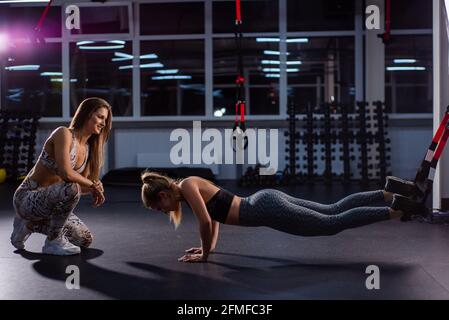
(135, 251)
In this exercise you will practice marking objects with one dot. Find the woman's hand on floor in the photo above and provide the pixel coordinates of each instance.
(195, 250)
(192, 258)
(198, 250)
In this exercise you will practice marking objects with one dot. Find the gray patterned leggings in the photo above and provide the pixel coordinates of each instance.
(49, 210)
(277, 210)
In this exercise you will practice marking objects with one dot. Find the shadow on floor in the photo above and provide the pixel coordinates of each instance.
(291, 276)
(289, 279)
(161, 284)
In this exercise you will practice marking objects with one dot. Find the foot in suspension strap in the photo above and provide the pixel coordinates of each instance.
(409, 207)
(403, 187)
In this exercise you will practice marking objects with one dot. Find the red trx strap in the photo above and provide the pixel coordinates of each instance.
(37, 36)
(240, 80)
(238, 12)
(426, 173)
(43, 16)
(240, 104)
(440, 147)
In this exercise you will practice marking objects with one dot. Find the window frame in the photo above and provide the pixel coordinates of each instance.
(135, 37)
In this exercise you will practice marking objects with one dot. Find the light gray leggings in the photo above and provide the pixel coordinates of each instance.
(49, 210)
(277, 210)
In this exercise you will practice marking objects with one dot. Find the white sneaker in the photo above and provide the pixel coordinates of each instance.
(60, 247)
(20, 233)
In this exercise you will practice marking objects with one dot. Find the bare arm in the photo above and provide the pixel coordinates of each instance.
(199, 250)
(192, 195)
(86, 190)
(215, 230)
(62, 143)
(97, 191)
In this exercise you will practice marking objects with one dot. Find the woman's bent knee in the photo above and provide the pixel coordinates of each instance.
(72, 189)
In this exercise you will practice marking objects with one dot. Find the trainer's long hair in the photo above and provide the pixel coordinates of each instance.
(96, 141)
(152, 184)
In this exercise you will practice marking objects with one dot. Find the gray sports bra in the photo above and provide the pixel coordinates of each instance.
(50, 163)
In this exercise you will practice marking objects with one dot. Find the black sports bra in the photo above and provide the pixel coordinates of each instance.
(218, 206)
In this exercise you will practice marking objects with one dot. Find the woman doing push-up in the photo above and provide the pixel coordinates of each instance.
(271, 208)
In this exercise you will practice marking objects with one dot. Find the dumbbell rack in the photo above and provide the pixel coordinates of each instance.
(326, 140)
(345, 136)
(339, 138)
(362, 140)
(17, 142)
(374, 156)
(291, 149)
(332, 135)
(310, 138)
(383, 148)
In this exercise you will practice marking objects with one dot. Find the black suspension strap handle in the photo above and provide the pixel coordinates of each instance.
(426, 164)
(442, 137)
(420, 188)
